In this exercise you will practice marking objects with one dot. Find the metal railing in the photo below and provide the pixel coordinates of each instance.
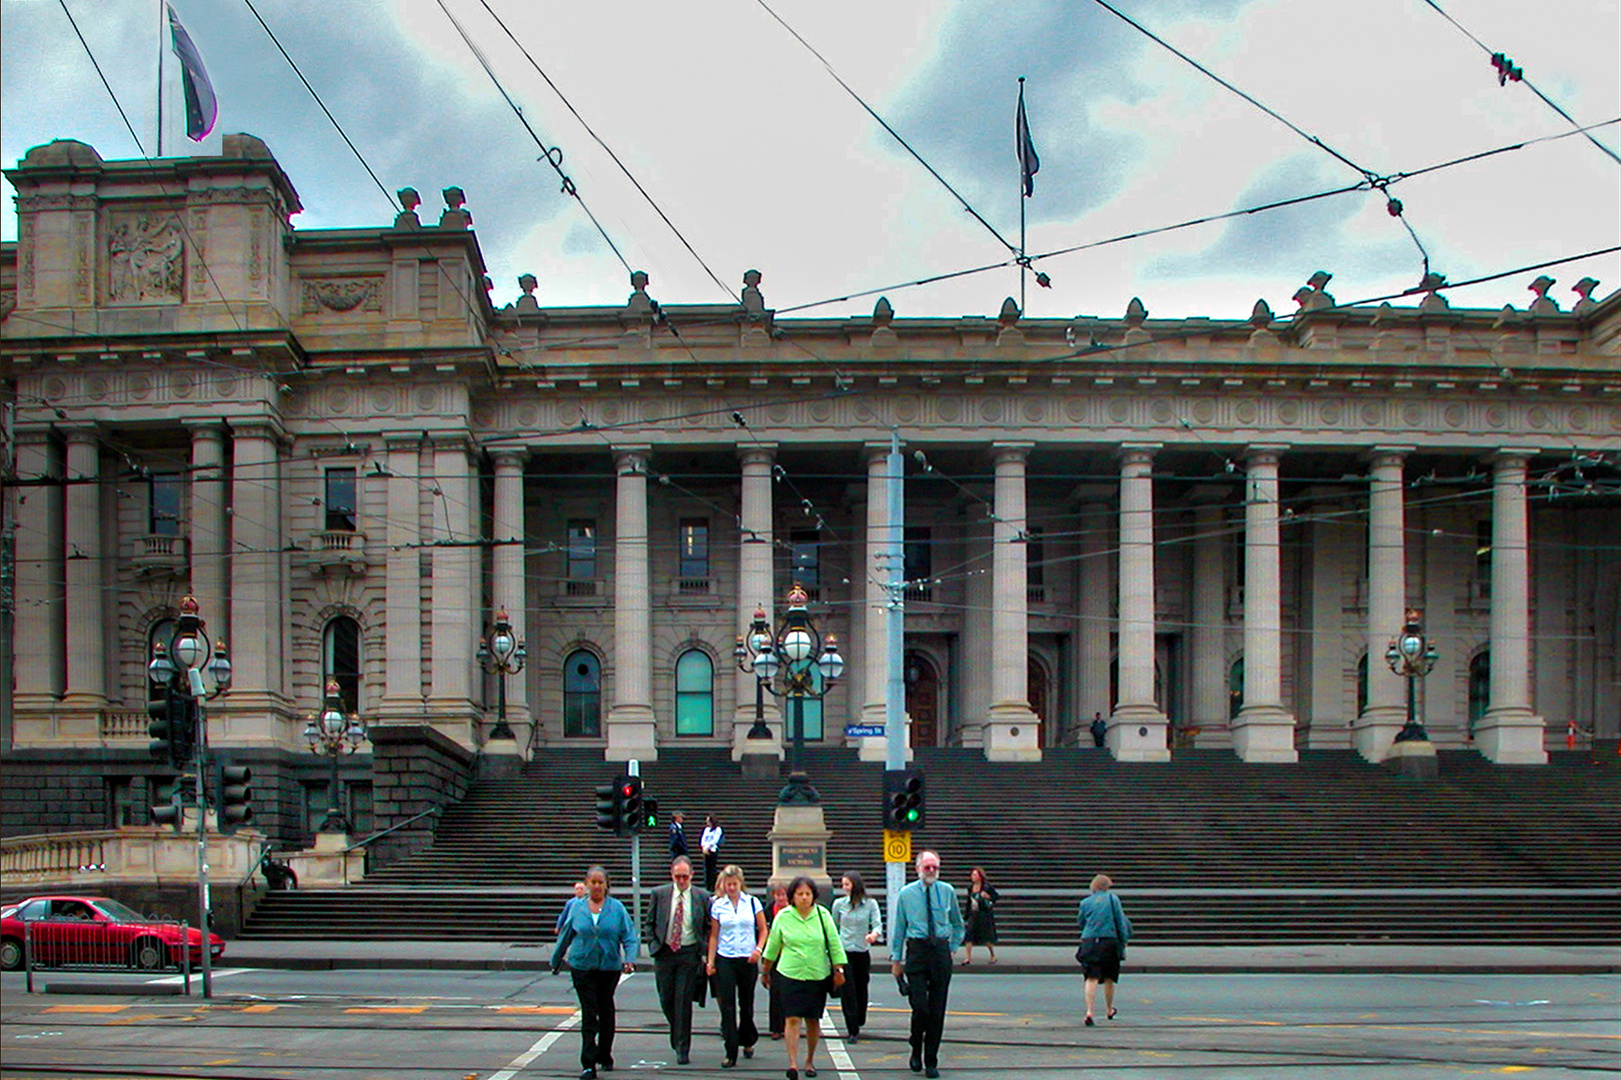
(58, 943)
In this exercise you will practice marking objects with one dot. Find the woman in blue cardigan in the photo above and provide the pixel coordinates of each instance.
(601, 944)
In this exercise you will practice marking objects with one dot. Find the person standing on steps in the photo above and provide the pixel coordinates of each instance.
(600, 942)
(678, 836)
(737, 937)
(803, 954)
(928, 928)
(980, 914)
(678, 922)
(1100, 729)
(861, 926)
(1104, 933)
(709, 842)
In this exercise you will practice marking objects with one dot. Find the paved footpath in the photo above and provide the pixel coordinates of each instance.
(1291, 959)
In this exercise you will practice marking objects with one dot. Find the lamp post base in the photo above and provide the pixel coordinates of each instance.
(798, 791)
(1414, 757)
(334, 822)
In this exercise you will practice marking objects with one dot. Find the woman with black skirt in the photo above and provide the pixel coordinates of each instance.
(804, 956)
(979, 913)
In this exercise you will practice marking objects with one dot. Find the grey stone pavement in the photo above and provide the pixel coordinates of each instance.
(1275, 959)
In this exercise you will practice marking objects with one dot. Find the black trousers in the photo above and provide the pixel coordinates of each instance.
(595, 989)
(774, 1010)
(928, 968)
(734, 990)
(676, 975)
(857, 981)
(711, 868)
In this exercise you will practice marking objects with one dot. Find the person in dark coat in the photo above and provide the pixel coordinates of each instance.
(979, 912)
(677, 929)
(678, 838)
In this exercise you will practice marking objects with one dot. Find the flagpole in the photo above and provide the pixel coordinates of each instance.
(1024, 268)
(160, 76)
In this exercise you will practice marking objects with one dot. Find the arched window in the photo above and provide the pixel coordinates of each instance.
(340, 660)
(582, 696)
(694, 694)
(1235, 688)
(1362, 685)
(1480, 688)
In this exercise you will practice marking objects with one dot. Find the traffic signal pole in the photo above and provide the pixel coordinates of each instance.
(895, 631)
(634, 768)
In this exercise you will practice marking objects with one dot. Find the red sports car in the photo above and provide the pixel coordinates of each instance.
(69, 931)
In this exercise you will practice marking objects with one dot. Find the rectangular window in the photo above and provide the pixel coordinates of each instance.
(163, 504)
(121, 801)
(340, 501)
(805, 560)
(1035, 554)
(694, 541)
(1483, 559)
(582, 549)
(917, 558)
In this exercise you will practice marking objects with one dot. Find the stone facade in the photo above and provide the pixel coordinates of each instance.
(1203, 531)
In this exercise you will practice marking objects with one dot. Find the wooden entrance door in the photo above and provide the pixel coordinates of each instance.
(923, 700)
(1037, 692)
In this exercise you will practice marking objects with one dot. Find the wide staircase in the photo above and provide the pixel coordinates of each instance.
(1204, 849)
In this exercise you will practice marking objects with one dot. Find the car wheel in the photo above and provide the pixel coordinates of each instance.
(11, 954)
(149, 954)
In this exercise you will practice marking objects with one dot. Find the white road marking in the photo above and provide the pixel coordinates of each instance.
(836, 1050)
(543, 1044)
(196, 976)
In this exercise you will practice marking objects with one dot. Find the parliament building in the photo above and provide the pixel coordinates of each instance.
(1204, 532)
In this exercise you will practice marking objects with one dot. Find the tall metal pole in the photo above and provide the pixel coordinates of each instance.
(634, 768)
(162, 28)
(895, 639)
(205, 917)
(8, 579)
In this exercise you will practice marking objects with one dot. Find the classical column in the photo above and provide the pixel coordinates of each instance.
(402, 582)
(257, 610)
(1263, 730)
(87, 617)
(1386, 708)
(754, 588)
(507, 559)
(1137, 727)
(1209, 635)
(210, 535)
(40, 659)
(874, 648)
(1011, 732)
(1096, 624)
(632, 727)
(1511, 733)
(455, 607)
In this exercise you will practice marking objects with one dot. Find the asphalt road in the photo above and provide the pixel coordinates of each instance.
(514, 1025)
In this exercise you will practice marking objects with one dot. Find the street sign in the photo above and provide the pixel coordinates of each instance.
(897, 847)
(863, 731)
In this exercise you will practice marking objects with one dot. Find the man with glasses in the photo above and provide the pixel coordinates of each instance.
(928, 929)
(678, 925)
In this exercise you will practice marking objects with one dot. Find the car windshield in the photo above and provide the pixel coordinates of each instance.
(120, 912)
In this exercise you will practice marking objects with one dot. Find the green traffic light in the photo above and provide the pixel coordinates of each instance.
(911, 815)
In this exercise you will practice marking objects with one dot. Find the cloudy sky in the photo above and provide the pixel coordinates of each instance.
(758, 156)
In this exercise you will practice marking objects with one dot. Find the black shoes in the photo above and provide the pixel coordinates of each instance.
(916, 1063)
(931, 1072)
(683, 1058)
(588, 1074)
(729, 1063)
(748, 1051)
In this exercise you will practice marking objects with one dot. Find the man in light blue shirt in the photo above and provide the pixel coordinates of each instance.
(928, 929)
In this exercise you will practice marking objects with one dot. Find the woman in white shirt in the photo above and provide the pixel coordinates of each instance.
(737, 935)
(709, 843)
(861, 926)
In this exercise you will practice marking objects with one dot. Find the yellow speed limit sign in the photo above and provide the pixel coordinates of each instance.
(897, 847)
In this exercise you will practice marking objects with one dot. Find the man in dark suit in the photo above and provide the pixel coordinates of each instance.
(678, 835)
(678, 931)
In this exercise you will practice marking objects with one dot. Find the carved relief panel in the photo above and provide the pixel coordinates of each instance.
(146, 261)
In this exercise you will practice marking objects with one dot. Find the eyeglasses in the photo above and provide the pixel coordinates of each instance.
(682, 877)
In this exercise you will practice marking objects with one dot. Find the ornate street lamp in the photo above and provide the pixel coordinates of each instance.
(787, 665)
(744, 653)
(501, 654)
(1412, 656)
(334, 734)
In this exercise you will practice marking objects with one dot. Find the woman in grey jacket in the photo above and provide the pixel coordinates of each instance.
(861, 925)
(1104, 933)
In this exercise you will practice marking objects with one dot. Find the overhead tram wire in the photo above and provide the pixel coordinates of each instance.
(1373, 179)
(609, 151)
(552, 155)
(892, 132)
(1529, 85)
(1191, 222)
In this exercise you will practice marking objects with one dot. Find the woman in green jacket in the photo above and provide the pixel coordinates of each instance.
(804, 955)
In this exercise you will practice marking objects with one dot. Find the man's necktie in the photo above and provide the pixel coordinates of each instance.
(676, 918)
(928, 908)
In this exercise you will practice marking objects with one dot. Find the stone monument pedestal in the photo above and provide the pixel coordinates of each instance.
(799, 836)
(1413, 757)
